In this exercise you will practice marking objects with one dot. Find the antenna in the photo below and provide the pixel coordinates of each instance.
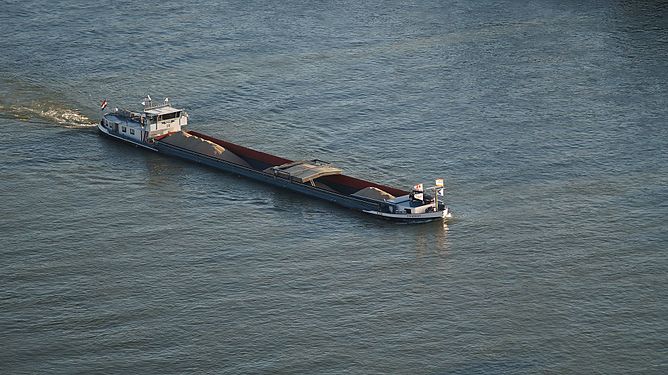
(147, 102)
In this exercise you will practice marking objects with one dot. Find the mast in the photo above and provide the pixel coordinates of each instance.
(437, 189)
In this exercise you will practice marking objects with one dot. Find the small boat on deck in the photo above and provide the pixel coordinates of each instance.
(163, 128)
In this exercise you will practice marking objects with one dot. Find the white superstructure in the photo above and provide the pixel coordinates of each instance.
(416, 206)
(142, 127)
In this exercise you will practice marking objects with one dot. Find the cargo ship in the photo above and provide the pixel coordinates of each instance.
(162, 128)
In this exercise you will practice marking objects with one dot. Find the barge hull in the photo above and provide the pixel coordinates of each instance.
(263, 160)
(343, 200)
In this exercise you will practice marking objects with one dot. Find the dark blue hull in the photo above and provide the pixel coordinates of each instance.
(306, 189)
(336, 188)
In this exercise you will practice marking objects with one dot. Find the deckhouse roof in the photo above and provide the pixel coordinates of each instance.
(161, 110)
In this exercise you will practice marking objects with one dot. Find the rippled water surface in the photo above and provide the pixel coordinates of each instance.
(546, 119)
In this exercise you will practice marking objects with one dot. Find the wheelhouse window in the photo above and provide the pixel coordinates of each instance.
(169, 116)
(123, 129)
(132, 131)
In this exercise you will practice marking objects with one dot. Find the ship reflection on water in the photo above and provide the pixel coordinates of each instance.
(432, 239)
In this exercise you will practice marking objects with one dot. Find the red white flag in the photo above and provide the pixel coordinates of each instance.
(103, 104)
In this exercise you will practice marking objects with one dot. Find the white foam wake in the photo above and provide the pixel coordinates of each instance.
(49, 112)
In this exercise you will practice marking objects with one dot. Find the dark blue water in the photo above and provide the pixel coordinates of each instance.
(546, 119)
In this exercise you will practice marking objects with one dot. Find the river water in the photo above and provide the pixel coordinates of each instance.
(547, 120)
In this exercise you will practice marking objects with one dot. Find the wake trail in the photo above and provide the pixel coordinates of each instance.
(49, 112)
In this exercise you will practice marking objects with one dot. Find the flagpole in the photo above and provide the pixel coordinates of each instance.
(437, 189)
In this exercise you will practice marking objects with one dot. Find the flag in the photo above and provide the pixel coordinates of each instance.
(418, 187)
(103, 104)
(439, 182)
(441, 192)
